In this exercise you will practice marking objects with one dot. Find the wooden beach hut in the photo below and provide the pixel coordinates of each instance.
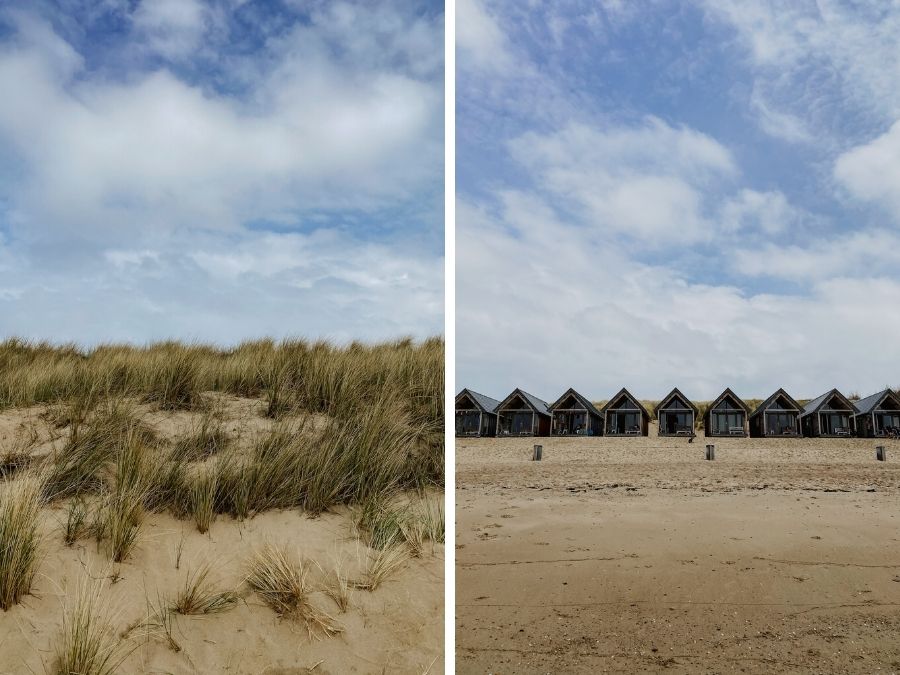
(476, 414)
(778, 415)
(522, 414)
(830, 415)
(624, 415)
(726, 416)
(677, 416)
(878, 415)
(574, 415)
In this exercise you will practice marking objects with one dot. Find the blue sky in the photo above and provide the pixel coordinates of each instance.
(697, 194)
(221, 170)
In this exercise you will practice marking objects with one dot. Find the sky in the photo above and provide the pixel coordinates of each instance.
(221, 170)
(697, 194)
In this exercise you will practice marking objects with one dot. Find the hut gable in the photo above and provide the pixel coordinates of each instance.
(475, 414)
(830, 400)
(830, 414)
(574, 414)
(623, 415)
(676, 414)
(778, 415)
(728, 400)
(780, 400)
(523, 414)
(726, 416)
(572, 400)
(675, 400)
(870, 403)
(624, 401)
(878, 415)
(472, 399)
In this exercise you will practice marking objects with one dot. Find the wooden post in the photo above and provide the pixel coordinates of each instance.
(710, 452)
(880, 453)
(538, 452)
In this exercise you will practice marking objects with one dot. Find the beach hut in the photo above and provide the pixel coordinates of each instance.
(828, 415)
(676, 414)
(476, 414)
(624, 415)
(726, 416)
(522, 414)
(573, 414)
(778, 415)
(878, 415)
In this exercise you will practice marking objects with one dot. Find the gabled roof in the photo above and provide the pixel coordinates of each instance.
(624, 392)
(486, 403)
(734, 396)
(672, 394)
(581, 399)
(869, 403)
(537, 404)
(819, 401)
(765, 404)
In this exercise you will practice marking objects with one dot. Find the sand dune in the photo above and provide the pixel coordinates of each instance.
(396, 628)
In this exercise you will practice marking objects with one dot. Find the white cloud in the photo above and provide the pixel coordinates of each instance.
(766, 212)
(858, 254)
(221, 289)
(158, 153)
(141, 201)
(648, 181)
(871, 172)
(172, 28)
(582, 313)
(779, 124)
(853, 45)
(480, 41)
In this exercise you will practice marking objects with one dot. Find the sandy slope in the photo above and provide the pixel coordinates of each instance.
(397, 628)
(636, 555)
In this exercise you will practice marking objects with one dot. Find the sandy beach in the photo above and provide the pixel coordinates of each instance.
(637, 555)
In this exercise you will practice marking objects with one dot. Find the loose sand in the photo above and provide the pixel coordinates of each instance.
(397, 628)
(636, 555)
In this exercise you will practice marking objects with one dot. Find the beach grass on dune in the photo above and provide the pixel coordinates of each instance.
(87, 643)
(20, 505)
(281, 580)
(199, 594)
(382, 407)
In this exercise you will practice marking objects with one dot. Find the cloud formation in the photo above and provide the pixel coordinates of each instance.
(636, 237)
(279, 151)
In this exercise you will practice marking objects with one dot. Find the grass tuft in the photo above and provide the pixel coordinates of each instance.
(87, 644)
(199, 596)
(384, 563)
(20, 505)
(281, 581)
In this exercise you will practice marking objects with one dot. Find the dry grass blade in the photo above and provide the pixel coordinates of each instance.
(384, 563)
(337, 586)
(198, 595)
(20, 505)
(87, 644)
(281, 582)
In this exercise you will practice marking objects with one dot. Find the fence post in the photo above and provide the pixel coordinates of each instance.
(880, 453)
(710, 451)
(538, 451)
